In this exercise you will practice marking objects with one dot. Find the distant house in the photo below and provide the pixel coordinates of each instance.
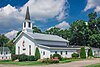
(5, 53)
(27, 42)
(96, 52)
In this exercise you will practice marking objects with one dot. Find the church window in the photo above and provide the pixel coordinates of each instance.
(24, 24)
(66, 52)
(29, 49)
(6, 52)
(2, 57)
(61, 52)
(18, 50)
(6, 57)
(55, 52)
(44, 53)
(24, 49)
(1, 53)
(29, 24)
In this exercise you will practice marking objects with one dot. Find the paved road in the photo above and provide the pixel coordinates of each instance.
(71, 64)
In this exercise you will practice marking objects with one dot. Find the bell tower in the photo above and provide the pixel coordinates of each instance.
(27, 25)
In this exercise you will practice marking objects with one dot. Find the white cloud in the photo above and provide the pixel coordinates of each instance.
(63, 25)
(44, 9)
(11, 34)
(93, 4)
(12, 18)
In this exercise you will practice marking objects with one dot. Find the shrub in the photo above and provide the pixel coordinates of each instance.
(50, 61)
(31, 58)
(90, 53)
(46, 60)
(62, 59)
(82, 53)
(14, 57)
(57, 56)
(54, 61)
(37, 54)
(75, 55)
(23, 57)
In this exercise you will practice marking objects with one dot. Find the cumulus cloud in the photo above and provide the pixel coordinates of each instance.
(93, 4)
(63, 25)
(46, 9)
(12, 18)
(11, 34)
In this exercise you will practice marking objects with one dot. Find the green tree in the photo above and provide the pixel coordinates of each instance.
(95, 40)
(82, 53)
(36, 30)
(92, 16)
(77, 31)
(98, 24)
(37, 54)
(53, 31)
(90, 53)
(11, 46)
(65, 34)
(3, 40)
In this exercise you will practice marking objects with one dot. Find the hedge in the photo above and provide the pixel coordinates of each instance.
(23, 57)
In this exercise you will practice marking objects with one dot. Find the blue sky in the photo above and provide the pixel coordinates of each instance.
(12, 13)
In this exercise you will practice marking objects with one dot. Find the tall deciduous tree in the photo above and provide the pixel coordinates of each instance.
(53, 31)
(3, 40)
(78, 33)
(11, 46)
(36, 30)
(95, 40)
(92, 16)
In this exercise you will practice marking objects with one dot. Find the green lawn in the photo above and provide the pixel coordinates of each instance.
(94, 65)
(21, 63)
(33, 62)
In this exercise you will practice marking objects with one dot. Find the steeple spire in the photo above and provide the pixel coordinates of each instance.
(27, 17)
(27, 25)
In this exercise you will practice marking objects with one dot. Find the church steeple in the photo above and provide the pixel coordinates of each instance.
(27, 17)
(27, 25)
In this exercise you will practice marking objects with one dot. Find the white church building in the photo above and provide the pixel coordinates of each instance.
(27, 42)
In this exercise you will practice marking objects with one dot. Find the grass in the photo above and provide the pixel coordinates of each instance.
(94, 65)
(21, 63)
(33, 62)
(71, 60)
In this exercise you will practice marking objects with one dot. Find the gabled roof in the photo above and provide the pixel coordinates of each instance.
(39, 36)
(4, 48)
